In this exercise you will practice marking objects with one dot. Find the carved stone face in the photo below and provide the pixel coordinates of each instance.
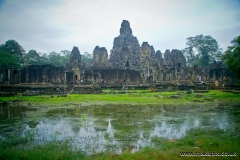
(100, 56)
(75, 55)
(125, 48)
(125, 28)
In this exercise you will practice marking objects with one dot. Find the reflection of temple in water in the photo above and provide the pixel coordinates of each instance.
(9, 112)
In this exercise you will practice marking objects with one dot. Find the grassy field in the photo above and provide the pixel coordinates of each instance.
(141, 97)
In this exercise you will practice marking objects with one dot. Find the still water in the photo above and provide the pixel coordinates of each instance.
(117, 128)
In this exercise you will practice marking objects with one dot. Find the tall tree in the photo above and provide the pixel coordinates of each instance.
(65, 56)
(232, 57)
(206, 49)
(55, 58)
(12, 46)
(8, 60)
(190, 57)
(32, 58)
(43, 58)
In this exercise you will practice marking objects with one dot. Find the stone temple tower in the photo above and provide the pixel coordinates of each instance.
(100, 56)
(75, 55)
(126, 49)
(75, 62)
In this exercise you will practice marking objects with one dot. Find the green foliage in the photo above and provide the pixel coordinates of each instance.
(54, 58)
(12, 46)
(86, 58)
(232, 57)
(32, 58)
(36, 58)
(8, 60)
(202, 50)
(84, 116)
(65, 56)
(189, 54)
(15, 56)
(43, 58)
(59, 59)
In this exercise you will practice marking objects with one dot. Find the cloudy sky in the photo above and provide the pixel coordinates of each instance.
(55, 25)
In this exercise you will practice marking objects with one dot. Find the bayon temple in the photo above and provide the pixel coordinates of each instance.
(128, 63)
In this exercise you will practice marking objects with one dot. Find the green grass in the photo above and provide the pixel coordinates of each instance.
(129, 98)
(47, 151)
(197, 140)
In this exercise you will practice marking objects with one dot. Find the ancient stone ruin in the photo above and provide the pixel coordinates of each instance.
(158, 57)
(128, 64)
(100, 56)
(175, 58)
(126, 49)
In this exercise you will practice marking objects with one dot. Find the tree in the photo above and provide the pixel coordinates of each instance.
(202, 50)
(189, 54)
(8, 60)
(87, 58)
(43, 58)
(232, 57)
(32, 58)
(12, 46)
(59, 59)
(65, 56)
(55, 58)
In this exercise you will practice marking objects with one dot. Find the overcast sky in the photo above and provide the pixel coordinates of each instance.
(55, 25)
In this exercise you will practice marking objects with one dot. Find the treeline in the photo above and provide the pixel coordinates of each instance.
(202, 50)
(14, 56)
(232, 58)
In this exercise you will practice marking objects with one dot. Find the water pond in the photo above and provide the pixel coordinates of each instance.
(116, 128)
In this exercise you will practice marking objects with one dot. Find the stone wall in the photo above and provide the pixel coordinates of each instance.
(10, 76)
(42, 74)
(109, 76)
